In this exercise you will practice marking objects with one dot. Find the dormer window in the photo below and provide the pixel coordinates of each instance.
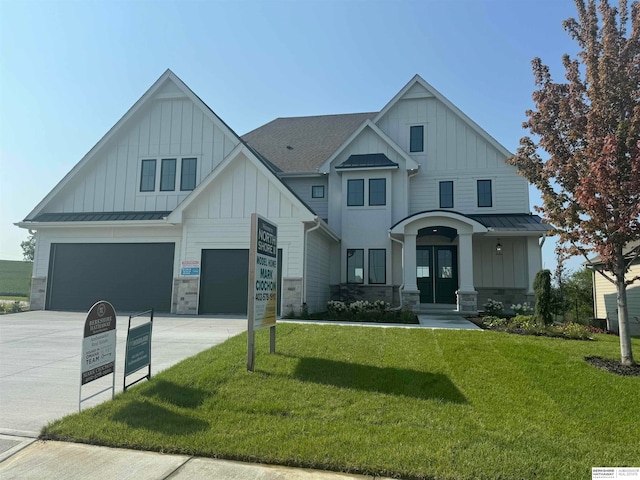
(416, 138)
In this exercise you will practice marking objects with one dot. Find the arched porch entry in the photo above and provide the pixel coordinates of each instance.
(438, 259)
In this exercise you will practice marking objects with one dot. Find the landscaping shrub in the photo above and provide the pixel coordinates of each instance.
(493, 307)
(544, 301)
(522, 309)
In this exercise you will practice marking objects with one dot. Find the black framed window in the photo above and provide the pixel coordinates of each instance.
(168, 175)
(148, 175)
(317, 191)
(355, 265)
(416, 138)
(188, 174)
(377, 191)
(484, 193)
(355, 193)
(446, 194)
(377, 265)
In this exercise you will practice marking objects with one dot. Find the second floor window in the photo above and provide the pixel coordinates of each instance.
(484, 193)
(355, 193)
(416, 138)
(148, 176)
(188, 174)
(446, 194)
(317, 191)
(377, 191)
(168, 175)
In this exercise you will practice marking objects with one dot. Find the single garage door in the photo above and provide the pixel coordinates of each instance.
(224, 280)
(132, 276)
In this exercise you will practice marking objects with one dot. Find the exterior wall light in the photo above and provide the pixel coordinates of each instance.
(498, 248)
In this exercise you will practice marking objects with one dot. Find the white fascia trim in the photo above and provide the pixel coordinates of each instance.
(477, 226)
(360, 169)
(411, 163)
(477, 128)
(319, 222)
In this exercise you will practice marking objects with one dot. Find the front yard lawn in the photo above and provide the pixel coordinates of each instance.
(413, 403)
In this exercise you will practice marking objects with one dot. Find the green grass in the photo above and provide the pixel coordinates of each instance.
(415, 403)
(15, 279)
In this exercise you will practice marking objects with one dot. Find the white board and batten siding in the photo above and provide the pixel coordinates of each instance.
(220, 216)
(500, 271)
(453, 150)
(169, 126)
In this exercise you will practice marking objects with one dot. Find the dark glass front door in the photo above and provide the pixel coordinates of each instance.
(437, 273)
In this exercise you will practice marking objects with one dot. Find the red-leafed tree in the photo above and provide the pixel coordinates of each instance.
(589, 125)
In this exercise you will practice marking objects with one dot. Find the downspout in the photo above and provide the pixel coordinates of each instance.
(306, 259)
(402, 285)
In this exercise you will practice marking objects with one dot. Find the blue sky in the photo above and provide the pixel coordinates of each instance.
(70, 70)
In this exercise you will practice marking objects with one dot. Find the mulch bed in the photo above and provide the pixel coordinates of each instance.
(614, 366)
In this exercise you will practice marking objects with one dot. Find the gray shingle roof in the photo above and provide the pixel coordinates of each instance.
(302, 144)
(368, 160)
(99, 216)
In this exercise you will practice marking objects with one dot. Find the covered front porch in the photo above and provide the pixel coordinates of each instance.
(451, 263)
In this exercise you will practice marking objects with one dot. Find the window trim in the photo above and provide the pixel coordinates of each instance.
(163, 162)
(148, 161)
(384, 265)
(353, 181)
(313, 191)
(354, 250)
(413, 128)
(182, 174)
(484, 181)
(384, 199)
(440, 185)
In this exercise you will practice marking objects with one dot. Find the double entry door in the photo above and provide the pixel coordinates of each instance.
(437, 273)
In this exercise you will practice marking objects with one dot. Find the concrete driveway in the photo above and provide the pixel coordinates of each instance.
(40, 361)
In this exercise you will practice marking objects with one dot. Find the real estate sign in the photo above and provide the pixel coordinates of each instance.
(138, 353)
(99, 343)
(263, 258)
(263, 283)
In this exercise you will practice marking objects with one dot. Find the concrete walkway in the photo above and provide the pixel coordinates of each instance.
(446, 321)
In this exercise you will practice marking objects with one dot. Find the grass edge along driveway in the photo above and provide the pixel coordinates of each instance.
(413, 403)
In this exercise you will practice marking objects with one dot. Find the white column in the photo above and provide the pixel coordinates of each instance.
(534, 260)
(465, 260)
(410, 280)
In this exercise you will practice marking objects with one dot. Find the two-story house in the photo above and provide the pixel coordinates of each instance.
(413, 204)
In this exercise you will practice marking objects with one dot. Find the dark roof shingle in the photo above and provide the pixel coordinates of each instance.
(302, 144)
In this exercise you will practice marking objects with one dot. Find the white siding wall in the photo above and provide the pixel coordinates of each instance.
(606, 300)
(47, 236)
(220, 217)
(167, 128)
(319, 249)
(302, 187)
(508, 270)
(453, 151)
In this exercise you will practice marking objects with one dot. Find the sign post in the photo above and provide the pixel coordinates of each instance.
(98, 357)
(263, 283)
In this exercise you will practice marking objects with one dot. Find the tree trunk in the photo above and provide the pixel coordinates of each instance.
(626, 355)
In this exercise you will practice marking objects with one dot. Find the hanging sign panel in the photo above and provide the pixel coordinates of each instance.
(99, 343)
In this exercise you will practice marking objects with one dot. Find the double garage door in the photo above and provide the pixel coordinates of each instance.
(132, 276)
(139, 276)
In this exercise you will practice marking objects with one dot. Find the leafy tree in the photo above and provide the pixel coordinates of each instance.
(589, 126)
(29, 247)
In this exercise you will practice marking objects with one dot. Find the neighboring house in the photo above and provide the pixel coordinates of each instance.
(413, 204)
(605, 302)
